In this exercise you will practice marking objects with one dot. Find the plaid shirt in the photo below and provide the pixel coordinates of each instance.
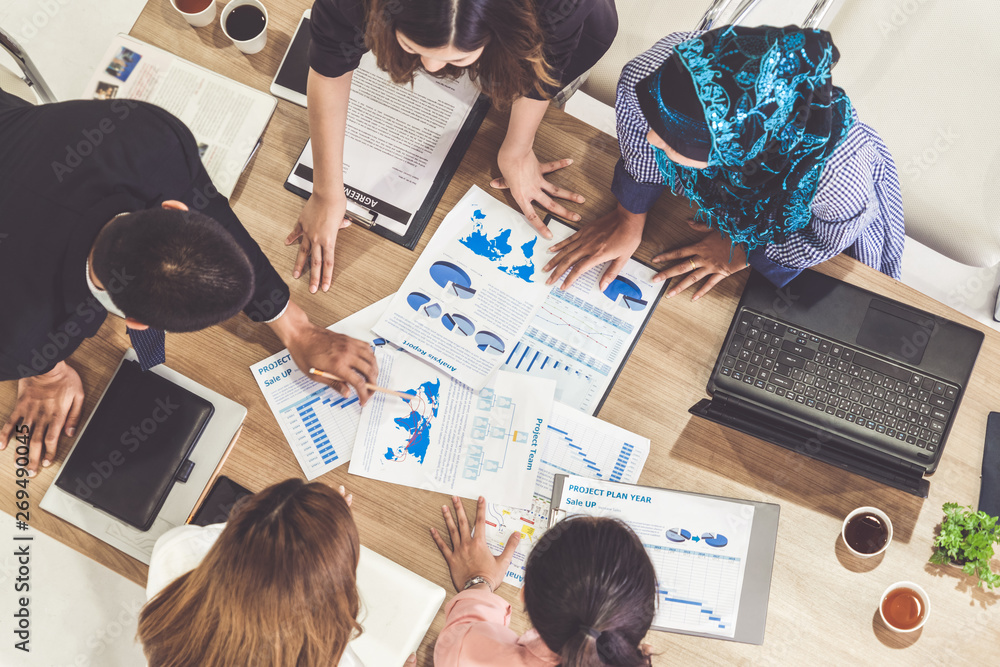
(857, 208)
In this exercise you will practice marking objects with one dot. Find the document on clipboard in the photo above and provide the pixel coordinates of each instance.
(712, 555)
(402, 144)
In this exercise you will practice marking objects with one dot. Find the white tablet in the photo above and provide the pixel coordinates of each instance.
(293, 73)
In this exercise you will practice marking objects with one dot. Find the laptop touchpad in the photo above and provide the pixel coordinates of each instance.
(896, 332)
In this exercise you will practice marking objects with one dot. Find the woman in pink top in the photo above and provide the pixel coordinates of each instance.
(589, 590)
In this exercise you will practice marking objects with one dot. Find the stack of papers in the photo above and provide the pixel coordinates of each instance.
(483, 419)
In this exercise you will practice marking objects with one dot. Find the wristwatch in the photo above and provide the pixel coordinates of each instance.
(475, 581)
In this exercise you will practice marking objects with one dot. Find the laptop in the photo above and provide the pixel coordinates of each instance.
(844, 376)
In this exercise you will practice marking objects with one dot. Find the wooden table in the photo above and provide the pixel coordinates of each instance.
(823, 602)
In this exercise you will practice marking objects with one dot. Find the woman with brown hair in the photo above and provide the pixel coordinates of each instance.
(273, 587)
(589, 591)
(519, 52)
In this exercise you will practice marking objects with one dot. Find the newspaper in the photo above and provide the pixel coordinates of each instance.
(227, 118)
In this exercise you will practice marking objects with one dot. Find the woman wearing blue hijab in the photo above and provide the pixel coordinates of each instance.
(746, 123)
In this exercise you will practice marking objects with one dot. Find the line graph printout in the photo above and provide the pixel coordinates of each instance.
(472, 291)
(450, 438)
(581, 337)
(698, 546)
(319, 424)
(575, 444)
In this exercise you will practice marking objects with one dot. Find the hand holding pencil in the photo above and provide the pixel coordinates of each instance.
(368, 385)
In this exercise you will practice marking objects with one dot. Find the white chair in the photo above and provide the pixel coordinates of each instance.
(29, 86)
(923, 74)
(641, 23)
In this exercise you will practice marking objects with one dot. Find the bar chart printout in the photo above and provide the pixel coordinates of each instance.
(582, 336)
(575, 444)
(319, 424)
(697, 544)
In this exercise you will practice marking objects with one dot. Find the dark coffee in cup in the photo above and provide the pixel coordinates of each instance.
(245, 22)
(866, 533)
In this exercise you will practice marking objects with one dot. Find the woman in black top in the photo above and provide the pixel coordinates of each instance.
(519, 52)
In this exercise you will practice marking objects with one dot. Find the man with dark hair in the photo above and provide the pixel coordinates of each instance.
(105, 206)
(194, 273)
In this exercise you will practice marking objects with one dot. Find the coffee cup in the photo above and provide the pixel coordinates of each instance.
(904, 607)
(199, 13)
(245, 22)
(867, 532)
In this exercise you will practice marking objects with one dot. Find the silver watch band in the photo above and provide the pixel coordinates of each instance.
(475, 581)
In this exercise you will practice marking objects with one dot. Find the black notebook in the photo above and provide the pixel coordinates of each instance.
(135, 445)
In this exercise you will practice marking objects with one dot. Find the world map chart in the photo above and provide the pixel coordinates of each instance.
(499, 250)
(417, 424)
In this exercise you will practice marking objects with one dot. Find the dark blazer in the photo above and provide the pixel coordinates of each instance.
(67, 169)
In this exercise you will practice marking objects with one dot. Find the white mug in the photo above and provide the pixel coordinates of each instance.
(198, 19)
(248, 46)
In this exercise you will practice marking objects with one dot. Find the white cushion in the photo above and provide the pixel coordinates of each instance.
(922, 73)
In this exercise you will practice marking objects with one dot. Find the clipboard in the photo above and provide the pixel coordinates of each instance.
(290, 84)
(752, 612)
(368, 218)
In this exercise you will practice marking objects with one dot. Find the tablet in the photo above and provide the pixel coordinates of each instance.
(293, 73)
(135, 446)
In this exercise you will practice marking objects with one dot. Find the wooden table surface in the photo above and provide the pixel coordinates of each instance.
(823, 602)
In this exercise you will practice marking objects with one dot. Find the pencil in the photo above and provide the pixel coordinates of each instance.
(373, 387)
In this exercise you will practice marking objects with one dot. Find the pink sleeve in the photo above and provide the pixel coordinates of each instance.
(475, 633)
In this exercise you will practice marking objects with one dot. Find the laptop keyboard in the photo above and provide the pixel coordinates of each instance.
(841, 381)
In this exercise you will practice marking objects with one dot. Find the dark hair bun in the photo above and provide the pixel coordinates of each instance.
(616, 650)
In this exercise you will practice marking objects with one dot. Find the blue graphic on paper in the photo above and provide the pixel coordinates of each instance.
(498, 249)
(417, 424)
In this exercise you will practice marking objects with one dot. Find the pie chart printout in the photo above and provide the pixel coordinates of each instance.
(714, 539)
(626, 294)
(416, 299)
(711, 539)
(489, 342)
(445, 272)
(678, 535)
(459, 324)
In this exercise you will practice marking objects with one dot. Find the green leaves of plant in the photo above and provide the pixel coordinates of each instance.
(969, 536)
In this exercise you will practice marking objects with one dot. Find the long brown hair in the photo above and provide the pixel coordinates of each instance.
(590, 592)
(277, 589)
(512, 64)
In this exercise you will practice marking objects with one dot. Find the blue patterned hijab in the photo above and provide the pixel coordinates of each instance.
(774, 118)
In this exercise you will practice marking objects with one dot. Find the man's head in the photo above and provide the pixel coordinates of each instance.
(172, 269)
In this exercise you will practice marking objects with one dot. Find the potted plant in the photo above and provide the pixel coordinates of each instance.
(966, 540)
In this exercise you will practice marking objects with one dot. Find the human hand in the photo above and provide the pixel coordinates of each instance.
(469, 556)
(316, 231)
(713, 257)
(343, 356)
(613, 237)
(411, 661)
(348, 497)
(48, 405)
(524, 176)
